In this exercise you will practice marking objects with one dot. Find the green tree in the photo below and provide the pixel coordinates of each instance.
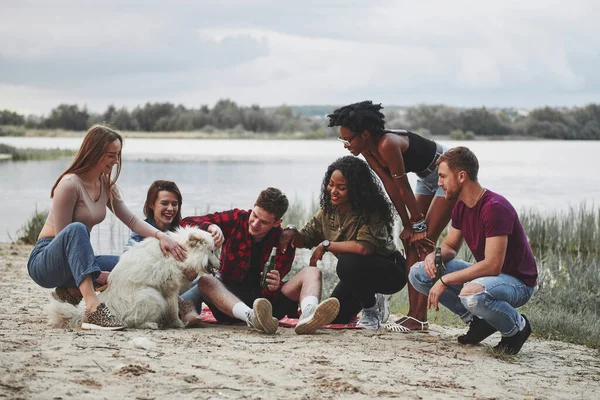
(68, 116)
(11, 118)
(482, 122)
(226, 114)
(151, 113)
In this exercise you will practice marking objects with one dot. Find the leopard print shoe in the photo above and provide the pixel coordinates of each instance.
(101, 319)
(63, 294)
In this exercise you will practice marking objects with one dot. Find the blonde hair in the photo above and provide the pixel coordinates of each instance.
(91, 152)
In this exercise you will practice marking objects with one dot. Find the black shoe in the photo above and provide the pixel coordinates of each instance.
(479, 329)
(512, 345)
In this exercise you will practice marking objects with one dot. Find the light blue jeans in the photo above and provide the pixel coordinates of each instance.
(193, 294)
(497, 303)
(65, 260)
(428, 186)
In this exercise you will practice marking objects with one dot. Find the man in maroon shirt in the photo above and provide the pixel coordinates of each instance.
(248, 237)
(486, 293)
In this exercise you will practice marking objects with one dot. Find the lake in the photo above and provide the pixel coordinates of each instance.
(215, 175)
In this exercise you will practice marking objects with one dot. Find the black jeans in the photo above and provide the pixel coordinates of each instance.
(363, 276)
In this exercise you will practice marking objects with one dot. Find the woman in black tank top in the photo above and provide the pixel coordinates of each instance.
(392, 154)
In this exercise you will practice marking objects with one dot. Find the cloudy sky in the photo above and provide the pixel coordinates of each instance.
(525, 53)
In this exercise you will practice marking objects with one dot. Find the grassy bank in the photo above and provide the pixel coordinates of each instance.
(14, 154)
(208, 133)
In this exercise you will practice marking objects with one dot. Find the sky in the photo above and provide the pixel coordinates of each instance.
(493, 53)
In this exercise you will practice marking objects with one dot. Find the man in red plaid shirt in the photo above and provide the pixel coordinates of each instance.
(247, 237)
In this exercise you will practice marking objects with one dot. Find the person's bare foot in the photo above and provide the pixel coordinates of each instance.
(102, 278)
(188, 314)
(414, 324)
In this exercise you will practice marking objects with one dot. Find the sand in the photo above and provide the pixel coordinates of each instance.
(39, 362)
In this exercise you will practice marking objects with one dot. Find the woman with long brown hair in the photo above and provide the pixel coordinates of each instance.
(63, 257)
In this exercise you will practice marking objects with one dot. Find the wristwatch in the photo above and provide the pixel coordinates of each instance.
(325, 243)
(292, 227)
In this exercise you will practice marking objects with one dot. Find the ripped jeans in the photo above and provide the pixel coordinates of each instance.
(496, 304)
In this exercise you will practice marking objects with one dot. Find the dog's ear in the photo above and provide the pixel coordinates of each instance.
(196, 240)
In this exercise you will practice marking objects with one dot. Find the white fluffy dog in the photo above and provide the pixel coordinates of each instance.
(143, 287)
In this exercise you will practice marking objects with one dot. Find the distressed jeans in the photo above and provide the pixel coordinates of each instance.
(65, 260)
(496, 304)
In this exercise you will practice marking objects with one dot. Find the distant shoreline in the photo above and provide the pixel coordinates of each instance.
(229, 135)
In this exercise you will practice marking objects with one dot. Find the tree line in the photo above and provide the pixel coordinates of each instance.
(577, 123)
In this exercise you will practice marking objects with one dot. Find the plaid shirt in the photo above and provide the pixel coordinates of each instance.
(237, 247)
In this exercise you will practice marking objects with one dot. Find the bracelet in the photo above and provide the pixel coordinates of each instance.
(156, 234)
(443, 283)
(419, 226)
(398, 176)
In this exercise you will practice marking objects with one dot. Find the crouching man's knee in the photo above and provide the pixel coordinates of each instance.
(471, 296)
(471, 288)
(419, 279)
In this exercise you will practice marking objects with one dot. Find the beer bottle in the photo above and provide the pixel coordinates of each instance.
(440, 268)
(269, 266)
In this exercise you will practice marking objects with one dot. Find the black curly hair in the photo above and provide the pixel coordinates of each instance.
(359, 116)
(364, 191)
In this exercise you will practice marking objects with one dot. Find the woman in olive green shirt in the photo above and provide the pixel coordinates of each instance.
(355, 224)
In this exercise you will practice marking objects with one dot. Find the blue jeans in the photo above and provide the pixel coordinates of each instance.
(497, 303)
(193, 294)
(65, 260)
(428, 186)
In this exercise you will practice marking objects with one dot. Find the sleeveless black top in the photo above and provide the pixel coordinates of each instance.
(420, 152)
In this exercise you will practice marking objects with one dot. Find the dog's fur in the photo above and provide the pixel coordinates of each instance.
(143, 287)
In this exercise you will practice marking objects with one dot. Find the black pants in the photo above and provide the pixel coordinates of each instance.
(363, 276)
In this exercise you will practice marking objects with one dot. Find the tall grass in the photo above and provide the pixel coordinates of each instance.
(576, 231)
(34, 154)
(32, 227)
(566, 304)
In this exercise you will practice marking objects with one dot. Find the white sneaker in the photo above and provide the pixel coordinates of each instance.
(370, 318)
(382, 301)
(261, 317)
(315, 317)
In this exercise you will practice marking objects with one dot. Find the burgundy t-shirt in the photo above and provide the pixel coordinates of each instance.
(493, 216)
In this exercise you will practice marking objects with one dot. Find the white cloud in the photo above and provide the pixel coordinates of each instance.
(268, 52)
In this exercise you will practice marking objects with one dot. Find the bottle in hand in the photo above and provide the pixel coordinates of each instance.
(440, 268)
(269, 266)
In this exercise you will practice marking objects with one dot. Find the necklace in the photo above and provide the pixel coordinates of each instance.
(480, 195)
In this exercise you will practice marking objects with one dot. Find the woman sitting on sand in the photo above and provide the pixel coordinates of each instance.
(63, 257)
(163, 211)
(355, 224)
(162, 208)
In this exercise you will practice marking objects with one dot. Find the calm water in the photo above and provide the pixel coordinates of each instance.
(216, 175)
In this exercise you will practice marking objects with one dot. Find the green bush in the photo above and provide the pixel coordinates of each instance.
(33, 226)
(457, 134)
(35, 154)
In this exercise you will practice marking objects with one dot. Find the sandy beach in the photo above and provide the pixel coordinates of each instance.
(39, 362)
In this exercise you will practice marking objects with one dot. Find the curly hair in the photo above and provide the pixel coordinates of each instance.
(364, 191)
(359, 117)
